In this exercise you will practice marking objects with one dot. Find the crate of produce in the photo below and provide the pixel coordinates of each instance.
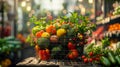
(61, 38)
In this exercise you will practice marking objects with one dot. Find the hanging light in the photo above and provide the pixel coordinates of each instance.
(80, 0)
(90, 1)
(83, 10)
(28, 8)
(23, 4)
(27, 0)
(28, 24)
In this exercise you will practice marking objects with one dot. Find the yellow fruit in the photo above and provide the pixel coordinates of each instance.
(80, 36)
(61, 32)
(45, 34)
(8, 62)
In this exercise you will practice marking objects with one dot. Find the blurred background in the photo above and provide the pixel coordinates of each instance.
(15, 25)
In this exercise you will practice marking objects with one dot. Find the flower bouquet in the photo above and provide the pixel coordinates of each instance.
(61, 38)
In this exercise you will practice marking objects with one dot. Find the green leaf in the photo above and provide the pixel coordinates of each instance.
(33, 19)
(37, 22)
(105, 42)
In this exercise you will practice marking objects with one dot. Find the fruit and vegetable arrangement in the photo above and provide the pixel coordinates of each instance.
(117, 11)
(102, 54)
(114, 27)
(8, 45)
(61, 38)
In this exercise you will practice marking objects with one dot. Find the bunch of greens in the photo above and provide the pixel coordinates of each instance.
(9, 44)
(117, 11)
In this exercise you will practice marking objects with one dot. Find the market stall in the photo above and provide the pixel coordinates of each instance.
(58, 33)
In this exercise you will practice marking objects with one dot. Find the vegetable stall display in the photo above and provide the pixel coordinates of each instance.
(116, 11)
(102, 54)
(8, 48)
(61, 38)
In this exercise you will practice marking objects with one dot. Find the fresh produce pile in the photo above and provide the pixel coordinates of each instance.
(102, 54)
(117, 11)
(114, 27)
(60, 38)
(8, 45)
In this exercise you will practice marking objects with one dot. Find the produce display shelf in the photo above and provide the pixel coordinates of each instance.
(111, 33)
(33, 62)
(108, 20)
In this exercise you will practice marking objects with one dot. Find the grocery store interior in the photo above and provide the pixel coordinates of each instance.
(59, 33)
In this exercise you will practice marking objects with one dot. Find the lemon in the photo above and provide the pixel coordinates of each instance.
(61, 32)
(45, 34)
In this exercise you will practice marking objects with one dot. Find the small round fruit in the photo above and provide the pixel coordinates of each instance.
(83, 57)
(90, 60)
(38, 34)
(8, 62)
(45, 34)
(61, 32)
(54, 38)
(91, 53)
(85, 60)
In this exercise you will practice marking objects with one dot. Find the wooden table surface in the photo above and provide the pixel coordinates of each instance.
(34, 62)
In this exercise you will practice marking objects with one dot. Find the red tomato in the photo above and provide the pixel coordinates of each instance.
(40, 53)
(73, 54)
(97, 59)
(91, 53)
(70, 56)
(44, 54)
(90, 60)
(71, 45)
(83, 57)
(44, 57)
(85, 60)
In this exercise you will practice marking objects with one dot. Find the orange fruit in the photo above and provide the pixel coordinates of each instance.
(38, 34)
(51, 29)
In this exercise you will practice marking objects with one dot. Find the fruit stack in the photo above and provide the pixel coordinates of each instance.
(60, 38)
(114, 27)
